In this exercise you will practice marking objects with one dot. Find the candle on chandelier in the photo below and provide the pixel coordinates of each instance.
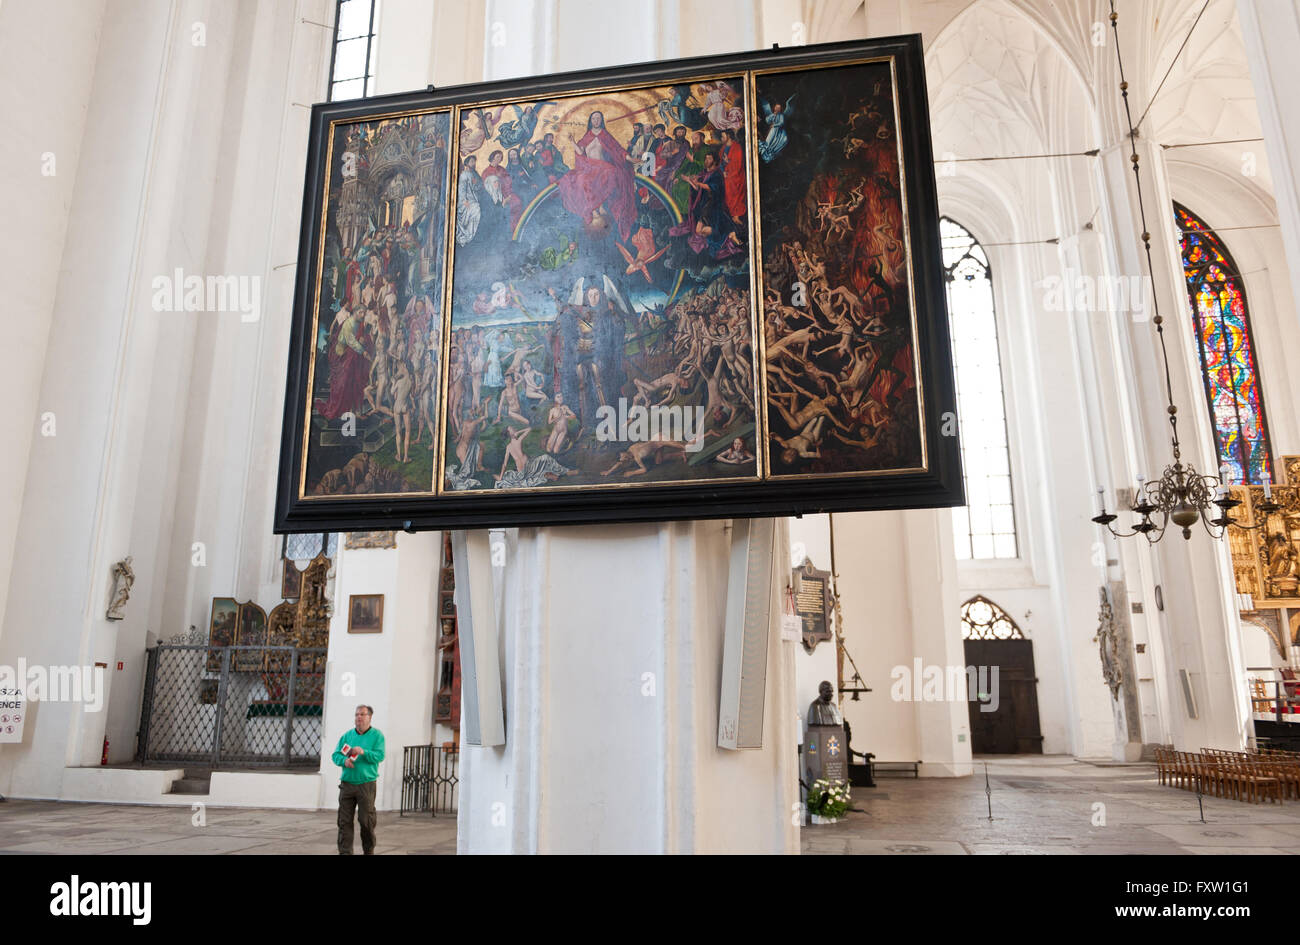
(1137, 496)
(1268, 489)
(1101, 499)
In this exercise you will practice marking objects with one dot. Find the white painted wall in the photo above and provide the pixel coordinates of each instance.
(47, 65)
(168, 422)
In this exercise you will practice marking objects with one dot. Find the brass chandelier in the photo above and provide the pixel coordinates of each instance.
(1181, 495)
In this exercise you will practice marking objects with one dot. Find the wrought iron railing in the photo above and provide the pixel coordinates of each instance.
(430, 776)
(232, 706)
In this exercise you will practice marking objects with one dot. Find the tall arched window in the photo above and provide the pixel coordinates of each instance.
(352, 63)
(1227, 353)
(986, 526)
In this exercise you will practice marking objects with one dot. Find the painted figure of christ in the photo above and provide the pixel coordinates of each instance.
(602, 175)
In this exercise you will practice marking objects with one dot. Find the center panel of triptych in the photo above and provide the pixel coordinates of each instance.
(601, 313)
(376, 344)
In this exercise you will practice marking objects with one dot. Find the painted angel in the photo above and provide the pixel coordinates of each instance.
(646, 253)
(476, 127)
(520, 129)
(720, 106)
(776, 117)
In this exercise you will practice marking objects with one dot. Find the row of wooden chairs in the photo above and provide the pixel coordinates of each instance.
(1241, 776)
(1284, 767)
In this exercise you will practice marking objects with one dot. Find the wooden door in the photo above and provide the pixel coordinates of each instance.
(1013, 728)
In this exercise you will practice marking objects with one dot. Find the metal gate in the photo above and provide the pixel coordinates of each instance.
(232, 706)
(430, 777)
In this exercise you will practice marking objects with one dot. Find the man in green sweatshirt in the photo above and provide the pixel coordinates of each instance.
(359, 753)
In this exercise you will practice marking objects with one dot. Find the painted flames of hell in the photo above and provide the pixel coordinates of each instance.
(837, 311)
(601, 324)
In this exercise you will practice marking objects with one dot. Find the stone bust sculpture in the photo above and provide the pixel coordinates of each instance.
(822, 711)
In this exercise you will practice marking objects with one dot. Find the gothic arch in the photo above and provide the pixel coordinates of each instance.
(982, 619)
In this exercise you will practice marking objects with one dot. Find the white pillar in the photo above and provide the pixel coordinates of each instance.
(47, 64)
(611, 654)
(1198, 632)
(1270, 31)
(943, 727)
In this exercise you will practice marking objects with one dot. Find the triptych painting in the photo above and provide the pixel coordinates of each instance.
(704, 289)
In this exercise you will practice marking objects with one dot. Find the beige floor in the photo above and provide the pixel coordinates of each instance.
(1052, 805)
(54, 827)
(1040, 805)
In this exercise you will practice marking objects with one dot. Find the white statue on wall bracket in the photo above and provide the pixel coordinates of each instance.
(123, 578)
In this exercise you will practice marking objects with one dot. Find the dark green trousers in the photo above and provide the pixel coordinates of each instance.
(358, 799)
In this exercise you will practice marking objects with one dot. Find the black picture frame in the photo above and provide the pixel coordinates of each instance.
(938, 484)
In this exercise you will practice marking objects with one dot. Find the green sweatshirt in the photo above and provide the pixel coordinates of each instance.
(366, 768)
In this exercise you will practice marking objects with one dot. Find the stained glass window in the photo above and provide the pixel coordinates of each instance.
(986, 526)
(1227, 353)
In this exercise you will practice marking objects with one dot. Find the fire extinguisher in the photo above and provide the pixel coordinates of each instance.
(103, 759)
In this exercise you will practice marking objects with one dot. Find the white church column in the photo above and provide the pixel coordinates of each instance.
(1271, 33)
(1197, 632)
(943, 726)
(47, 64)
(611, 650)
(612, 636)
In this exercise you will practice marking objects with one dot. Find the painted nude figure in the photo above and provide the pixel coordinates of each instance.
(558, 417)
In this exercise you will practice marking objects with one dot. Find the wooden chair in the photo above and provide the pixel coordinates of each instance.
(1287, 773)
(1259, 783)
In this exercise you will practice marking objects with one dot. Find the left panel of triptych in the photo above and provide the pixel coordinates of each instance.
(373, 391)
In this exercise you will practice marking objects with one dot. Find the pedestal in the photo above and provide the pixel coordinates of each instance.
(825, 755)
(611, 644)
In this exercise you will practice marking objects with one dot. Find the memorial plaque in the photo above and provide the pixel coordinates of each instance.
(813, 604)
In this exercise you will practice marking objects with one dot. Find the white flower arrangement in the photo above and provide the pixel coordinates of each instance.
(828, 800)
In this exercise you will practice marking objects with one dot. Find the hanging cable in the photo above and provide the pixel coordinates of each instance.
(1146, 233)
(1019, 157)
(1206, 144)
